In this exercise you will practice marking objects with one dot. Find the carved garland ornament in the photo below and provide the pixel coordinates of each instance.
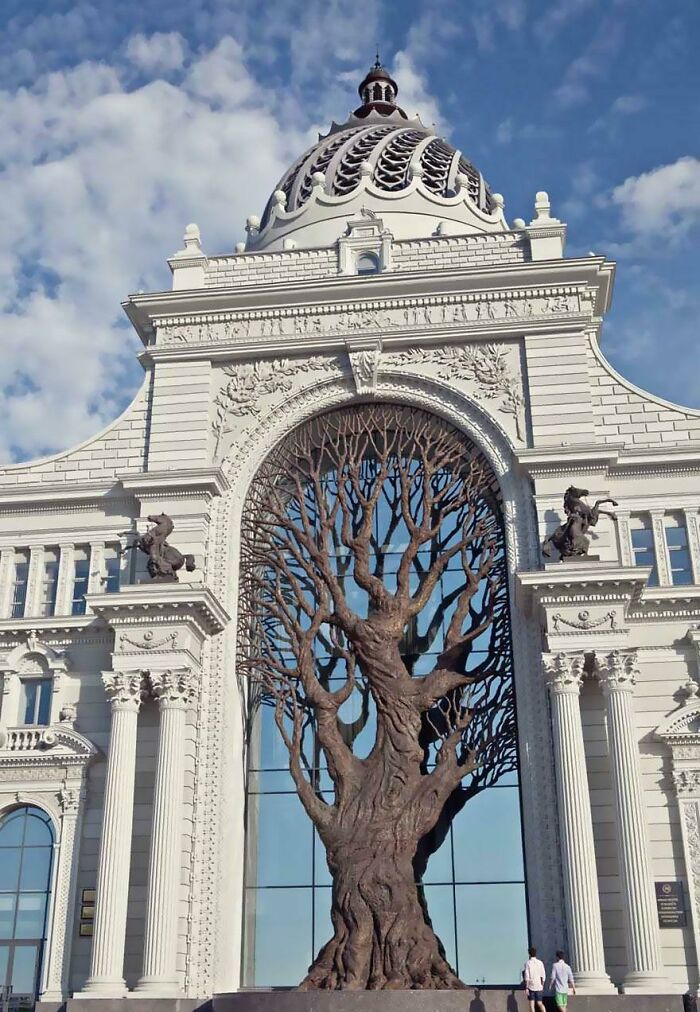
(249, 381)
(584, 621)
(487, 365)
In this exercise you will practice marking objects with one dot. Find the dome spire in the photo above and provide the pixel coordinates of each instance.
(378, 91)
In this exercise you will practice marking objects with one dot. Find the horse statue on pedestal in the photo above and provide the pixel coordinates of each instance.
(570, 538)
(163, 560)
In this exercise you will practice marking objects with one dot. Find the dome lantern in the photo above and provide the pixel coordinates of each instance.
(378, 91)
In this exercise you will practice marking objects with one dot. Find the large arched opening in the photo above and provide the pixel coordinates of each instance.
(469, 868)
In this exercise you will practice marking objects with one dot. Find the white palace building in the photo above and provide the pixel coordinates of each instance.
(151, 843)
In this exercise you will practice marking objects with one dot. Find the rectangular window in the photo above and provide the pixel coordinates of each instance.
(49, 582)
(35, 700)
(643, 549)
(678, 552)
(110, 580)
(19, 588)
(81, 577)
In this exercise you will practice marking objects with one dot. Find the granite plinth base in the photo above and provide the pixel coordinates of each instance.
(472, 1000)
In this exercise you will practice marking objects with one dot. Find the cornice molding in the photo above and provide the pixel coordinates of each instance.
(161, 603)
(207, 480)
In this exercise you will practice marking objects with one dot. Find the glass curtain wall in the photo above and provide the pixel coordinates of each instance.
(474, 883)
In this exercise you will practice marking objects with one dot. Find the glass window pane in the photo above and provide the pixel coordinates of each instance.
(12, 828)
(110, 580)
(28, 697)
(440, 864)
(440, 902)
(44, 707)
(38, 830)
(494, 954)
(284, 834)
(80, 580)
(9, 868)
(642, 538)
(323, 926)
(36, 865)
(4, 960)
(7, 914)
(487, 837)
(676, 537)
(31, 908)
(24, 969)
(282, 936)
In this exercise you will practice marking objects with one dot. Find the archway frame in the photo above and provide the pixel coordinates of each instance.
(217, 932)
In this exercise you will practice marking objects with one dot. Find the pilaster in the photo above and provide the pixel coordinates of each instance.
(617, 674)
(66, 572)
(34, 577)
(175, 692)
(663, 567)
(564, 676)
(106, 979)
(7, 561)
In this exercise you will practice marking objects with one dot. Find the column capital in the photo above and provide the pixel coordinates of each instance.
(173, 687)
(563, 672)
(617, 671)
(125, 689)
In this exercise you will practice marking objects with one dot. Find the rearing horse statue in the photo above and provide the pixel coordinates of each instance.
(163, 560)
(570, 538)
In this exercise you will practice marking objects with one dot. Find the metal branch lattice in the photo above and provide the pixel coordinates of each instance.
(374, 577)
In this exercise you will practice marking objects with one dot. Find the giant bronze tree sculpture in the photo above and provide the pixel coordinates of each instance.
(373, 565)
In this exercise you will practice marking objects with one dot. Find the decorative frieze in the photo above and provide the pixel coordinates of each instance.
(382, 316)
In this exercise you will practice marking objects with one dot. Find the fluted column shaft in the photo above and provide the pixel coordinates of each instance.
(564, 674)
(174, 691)
(644, 961)
(109, 933)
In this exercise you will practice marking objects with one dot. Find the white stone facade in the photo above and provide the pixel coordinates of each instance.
(141, 764)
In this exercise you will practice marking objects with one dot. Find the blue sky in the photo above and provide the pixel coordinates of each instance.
(120, 123)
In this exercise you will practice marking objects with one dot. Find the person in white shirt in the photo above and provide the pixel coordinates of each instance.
(562, 979)
(534, 975)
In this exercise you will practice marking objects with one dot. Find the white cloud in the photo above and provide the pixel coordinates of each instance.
(489, 17)
(157, 53)
(628, 105)
(550, 22)
(97, 184)
(664, 203)
(591, 65)
(505, 131)
(414, 96)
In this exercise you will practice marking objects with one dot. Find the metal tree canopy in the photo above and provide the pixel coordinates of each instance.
(374, 565)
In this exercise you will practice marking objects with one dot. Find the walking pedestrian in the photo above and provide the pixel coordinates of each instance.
(534, 975)
(562, 980)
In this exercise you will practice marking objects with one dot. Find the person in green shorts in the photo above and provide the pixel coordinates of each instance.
(562, 979)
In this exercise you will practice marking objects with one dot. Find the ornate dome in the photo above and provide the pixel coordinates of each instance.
(379, 156)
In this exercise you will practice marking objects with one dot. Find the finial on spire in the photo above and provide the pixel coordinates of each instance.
(377, 61)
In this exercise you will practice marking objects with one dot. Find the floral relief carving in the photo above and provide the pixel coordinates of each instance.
(124, 688)
(687, 781)
(691, 824)
(173, 686)
(487, 365)
(249, 381)
(563, 672)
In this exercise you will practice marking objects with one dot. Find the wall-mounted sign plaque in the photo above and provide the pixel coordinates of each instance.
(670, 904)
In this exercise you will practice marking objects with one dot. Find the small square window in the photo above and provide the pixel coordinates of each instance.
(367, 263)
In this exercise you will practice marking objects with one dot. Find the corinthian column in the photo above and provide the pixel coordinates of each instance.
(174, 691)
(564, 675)
(645, 966)
(107, 959)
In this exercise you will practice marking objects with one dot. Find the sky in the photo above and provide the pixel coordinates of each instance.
(122, 122)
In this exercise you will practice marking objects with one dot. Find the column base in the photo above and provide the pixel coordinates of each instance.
(103, 987)
(640, 982)
(593, 983)
(156, 987)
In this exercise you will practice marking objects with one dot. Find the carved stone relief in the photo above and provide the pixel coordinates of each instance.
(584, 621)
(488, 366)
(388, 315)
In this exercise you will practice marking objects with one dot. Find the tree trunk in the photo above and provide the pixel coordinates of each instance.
(381, 938)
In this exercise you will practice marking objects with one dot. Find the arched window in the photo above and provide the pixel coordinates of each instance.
(368, 263)
(393, 470)
(26, 853)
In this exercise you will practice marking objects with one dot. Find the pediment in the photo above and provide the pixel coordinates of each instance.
(53, 745)
(683, 725)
